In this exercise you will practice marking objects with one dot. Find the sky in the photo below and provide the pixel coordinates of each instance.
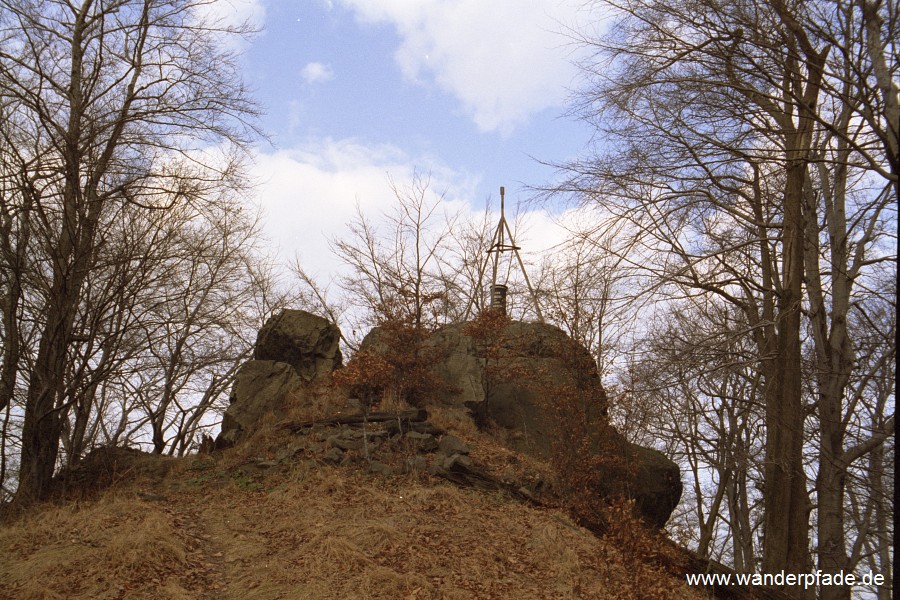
(355, 92)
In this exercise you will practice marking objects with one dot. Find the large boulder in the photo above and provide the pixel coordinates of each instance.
(655, 484)
(519, 377)
(510, 378)
(307, 342)
(294, 350)
(260, 387)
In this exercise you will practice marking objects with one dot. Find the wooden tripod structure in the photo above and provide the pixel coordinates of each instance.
(498, 246)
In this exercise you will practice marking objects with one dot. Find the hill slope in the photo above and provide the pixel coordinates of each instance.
(246, 524)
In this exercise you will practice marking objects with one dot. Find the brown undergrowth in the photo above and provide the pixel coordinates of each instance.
(316, 533)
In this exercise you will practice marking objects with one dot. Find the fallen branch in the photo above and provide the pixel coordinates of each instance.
(415, 416)
(464, 476)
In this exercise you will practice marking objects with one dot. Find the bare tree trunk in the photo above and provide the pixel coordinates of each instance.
(887, 86)
(785, 497)
(42, 427)
(880, 498)
(14, 262)
(834, 363)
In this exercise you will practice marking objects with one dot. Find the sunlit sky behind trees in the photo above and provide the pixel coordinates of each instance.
(355, 91)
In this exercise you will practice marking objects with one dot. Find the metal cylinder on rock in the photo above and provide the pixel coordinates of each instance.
(498, 298)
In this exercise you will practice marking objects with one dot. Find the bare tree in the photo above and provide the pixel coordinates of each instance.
(196, 339)
(464, 264)
(588, 288)
(736, 142)
(868, 453)
(395, 266)
(106, 102)
(697, 377)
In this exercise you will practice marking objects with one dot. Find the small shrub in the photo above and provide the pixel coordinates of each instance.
(488, 331)
(397, 368)
(365, 377)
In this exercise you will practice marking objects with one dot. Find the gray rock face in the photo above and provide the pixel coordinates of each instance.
(512, 384)
(260, 386)
(303, 340)
(656, 486)
(450, 445)
(515, 386)
(293, 350)
(422, 442)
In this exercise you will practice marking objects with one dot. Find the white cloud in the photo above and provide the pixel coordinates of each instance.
(504, 59)
(309, 193)
(232, 15)
(238, 12)
(316, 72)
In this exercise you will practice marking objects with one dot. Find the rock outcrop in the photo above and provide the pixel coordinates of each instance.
(505, 381)
(394, 443)
(294, 349)
(656, 484)
(303, 340)
(260, 387)
(517, 379)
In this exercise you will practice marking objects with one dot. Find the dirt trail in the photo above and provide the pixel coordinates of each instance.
(206, 553)
(229, 553)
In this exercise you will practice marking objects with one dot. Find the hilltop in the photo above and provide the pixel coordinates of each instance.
(310, 493)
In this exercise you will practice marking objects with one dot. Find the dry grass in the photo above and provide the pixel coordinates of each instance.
(97, 549)
(453, 418)
(315, 400)
(216, 528)
(309, 533)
